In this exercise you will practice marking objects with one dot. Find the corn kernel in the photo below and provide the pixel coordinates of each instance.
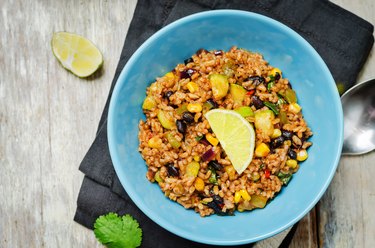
(276, 133)
(192, 87)
(169, 75)
(245, 195)
(197, 158)
(274, 71)
(229, 169)
(262, 150)
(199, 184)
(302, 155)
(237, 197)
(291, 163)
(194, 107)
(154, 142)
(212, 139)
(294, 108)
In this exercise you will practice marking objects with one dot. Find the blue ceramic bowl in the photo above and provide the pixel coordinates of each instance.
(283, 48)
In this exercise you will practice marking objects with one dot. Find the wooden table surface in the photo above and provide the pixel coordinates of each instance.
(48, 119)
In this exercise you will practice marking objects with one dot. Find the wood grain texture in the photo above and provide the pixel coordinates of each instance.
(48, 119)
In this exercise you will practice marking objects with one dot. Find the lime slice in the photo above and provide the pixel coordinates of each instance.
(76, 53)
(236, 136)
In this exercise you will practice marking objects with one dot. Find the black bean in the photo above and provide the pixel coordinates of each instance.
(214, 164)
(292, 154)
(257, 102)
(216, 208)
(277, 142)
(218, 52)
(277, 76)
(188, 117)
(181, 126)
(168, 94)
(257, 80)
(218, 200)
(189, 60)
(187, 73)
(287, 134)
(190, 72)
(212, 103)
(172, 171)
(184, 74)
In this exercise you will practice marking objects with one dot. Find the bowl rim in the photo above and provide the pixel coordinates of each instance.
(111, 132)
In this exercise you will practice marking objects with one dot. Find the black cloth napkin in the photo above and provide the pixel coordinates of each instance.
(341, 38)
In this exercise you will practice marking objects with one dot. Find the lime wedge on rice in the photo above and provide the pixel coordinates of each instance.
(236, 136)
(76, 53)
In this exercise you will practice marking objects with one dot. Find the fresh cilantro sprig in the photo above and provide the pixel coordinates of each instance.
(114, 231)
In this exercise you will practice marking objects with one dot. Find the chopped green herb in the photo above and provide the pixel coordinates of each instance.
(198, 138)
(284, 177)
(273, 107)
(213, 178)
(114, 231)
(270, 85)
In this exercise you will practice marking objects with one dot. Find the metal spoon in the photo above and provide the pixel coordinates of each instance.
(358, 104)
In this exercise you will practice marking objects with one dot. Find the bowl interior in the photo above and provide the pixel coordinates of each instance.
(282, 48)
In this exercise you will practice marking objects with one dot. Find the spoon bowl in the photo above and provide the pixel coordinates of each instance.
(359, 118)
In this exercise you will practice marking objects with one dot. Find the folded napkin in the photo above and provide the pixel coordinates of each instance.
(341, 38)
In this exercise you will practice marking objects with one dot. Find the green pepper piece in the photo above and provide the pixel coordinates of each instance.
(284, 177)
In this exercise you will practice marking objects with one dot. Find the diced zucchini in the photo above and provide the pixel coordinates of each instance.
(245, 111)
(289, 95)
(192, 169)
(183, 108)
(165, 119)
(263, 121)
(237, 92)
(158, 178)
(283, 117)
(173, 141)
(258, 201)
(219, 85)
(149, 103)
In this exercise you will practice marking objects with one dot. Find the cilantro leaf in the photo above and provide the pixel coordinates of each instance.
(118, 232)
